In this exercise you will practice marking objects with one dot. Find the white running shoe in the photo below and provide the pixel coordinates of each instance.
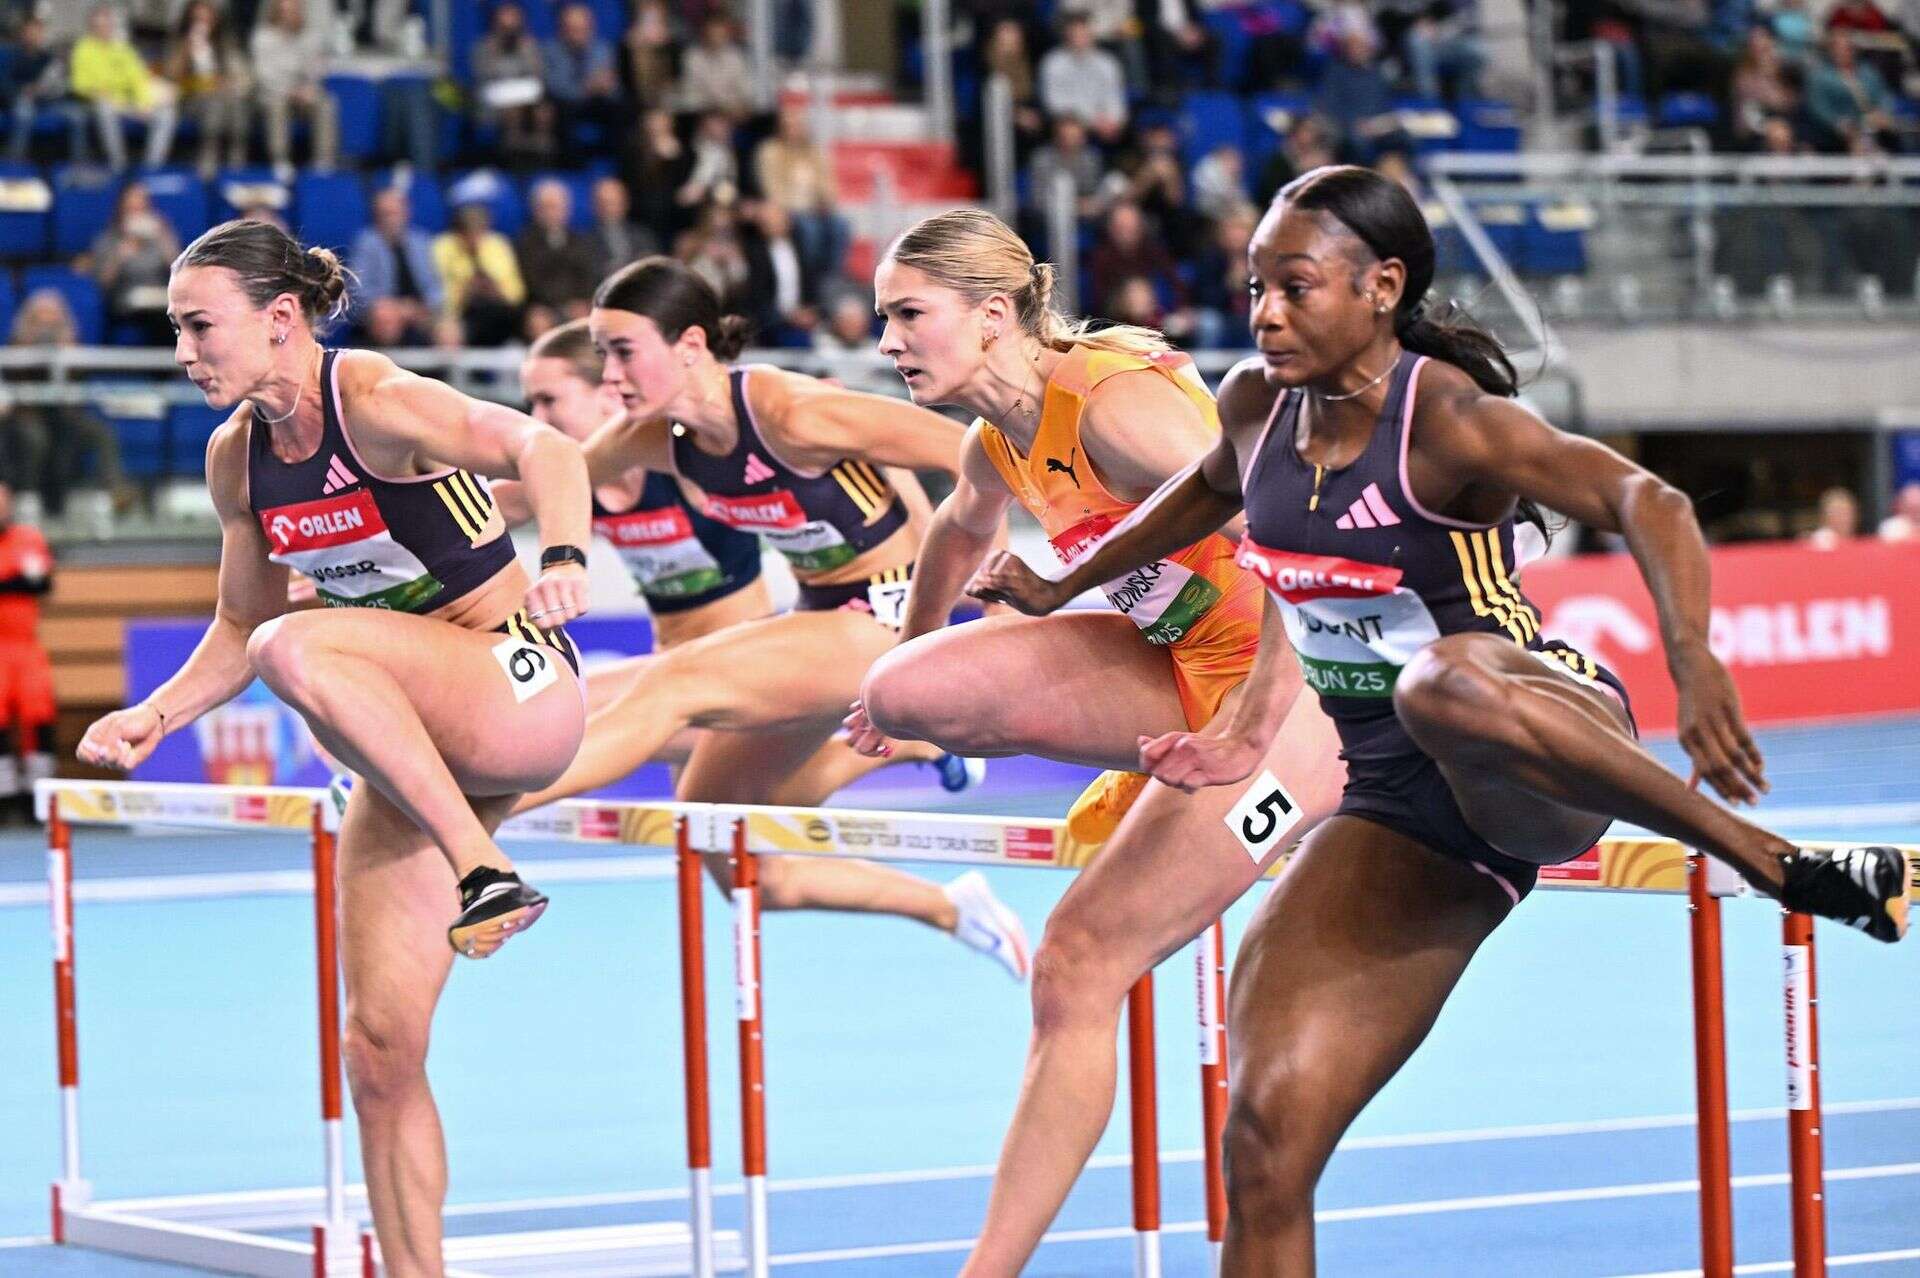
(987, 925)
(958, 772)
(339, 787)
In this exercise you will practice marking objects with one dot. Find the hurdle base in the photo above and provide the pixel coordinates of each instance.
(662, 1249)
(104, 1227)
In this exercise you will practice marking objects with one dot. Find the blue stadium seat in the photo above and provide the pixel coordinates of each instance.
(1554, 239)
(358, 101)
(1505, 223)
(83, 199)
(579, 184)
(26, 205)
(255, 182)
(82, 294)
(189, 427)
(143, 445)
(180, 196)
(1688, 110)
(1209, 118)
(426, 200)
(1489, 126)
(509, 210)
(1230, 37)
(329, 208)
(9, 302)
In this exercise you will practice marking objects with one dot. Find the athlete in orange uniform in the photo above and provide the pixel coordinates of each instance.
(1080, 425)
(26, 675)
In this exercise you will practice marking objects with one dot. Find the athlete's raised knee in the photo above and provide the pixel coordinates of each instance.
(281, 651)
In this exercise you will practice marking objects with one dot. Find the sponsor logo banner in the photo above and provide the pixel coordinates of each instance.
(1807, 634)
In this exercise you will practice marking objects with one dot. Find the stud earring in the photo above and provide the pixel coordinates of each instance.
(988, 339)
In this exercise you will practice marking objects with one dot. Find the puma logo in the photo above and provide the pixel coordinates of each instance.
(1056, 466)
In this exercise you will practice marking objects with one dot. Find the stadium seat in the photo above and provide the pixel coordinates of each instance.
(180, 196)
(1207, 119)
(9, 302)
(1688, 110)
(329, 208)
(25, 212)
(1553, 241)
(237, 189)
(82, 294)
(1269, 116)
(1488, 126)
(500, 196)
(579, 184)
(426, 201)
(1505, 223)
(83, 198)
(358, 101)
(189, 427)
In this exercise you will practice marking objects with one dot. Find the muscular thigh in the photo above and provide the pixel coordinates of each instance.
(746, 767)
(397, 899)
(793, 671)
(1078, 686)
(497, 735)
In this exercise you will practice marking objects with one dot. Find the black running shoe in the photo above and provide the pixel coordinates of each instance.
(1864, 887)
(494, 904)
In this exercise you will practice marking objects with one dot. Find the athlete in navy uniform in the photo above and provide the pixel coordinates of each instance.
(1381, 464)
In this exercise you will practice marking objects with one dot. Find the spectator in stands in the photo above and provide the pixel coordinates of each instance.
(289, 61)
(1219, 181)
(654, 165)
(1069, 153)
(780, 281)
(715, 174)
(130, 259)
(1181, 52)
(715, 74)
(582, 77)
(33, 78)
(1154, 177)
(649, 51)
(1307, 146)
(1858, 15)
(107, 73)
(1904, 523)
(1839, 520)
(1126, 249)
(27, 710)
(1356, 100)
(206, 66)
(558, 262)
(1443, 52)
(1759, 91)
(795, 172)
(1794, 27)
(849, 326)
(399, 291)
(713, 247)
(484, 287)
(1080, 80)
(1006, 54)
(47, 445)
(1115, 28)
(1219, 296)
(1133, 301)
(510, 87)
(615, 238)
(1848, 97)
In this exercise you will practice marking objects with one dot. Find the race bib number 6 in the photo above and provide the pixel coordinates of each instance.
(1264, 813)
(529, 668)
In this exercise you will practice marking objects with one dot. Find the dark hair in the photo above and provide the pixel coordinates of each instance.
(676, 298)
(269, 262)
(573, 343)
(1382, 216)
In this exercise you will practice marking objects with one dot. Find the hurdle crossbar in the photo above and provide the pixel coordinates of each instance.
(746, 832)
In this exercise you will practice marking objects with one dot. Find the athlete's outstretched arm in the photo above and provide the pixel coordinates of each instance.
(968, 525)
(253, 590)
(1484, 439)
(826, 425)
(1195, 502)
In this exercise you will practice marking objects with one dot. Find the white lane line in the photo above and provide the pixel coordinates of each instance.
(175, 887)
(1484, 1202)
(1786, 1266)
(27, 1240)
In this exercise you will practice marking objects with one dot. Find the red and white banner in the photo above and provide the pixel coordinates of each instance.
(1808, 634)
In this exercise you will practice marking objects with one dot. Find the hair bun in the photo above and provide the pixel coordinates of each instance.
(731, 338)
(329, 284)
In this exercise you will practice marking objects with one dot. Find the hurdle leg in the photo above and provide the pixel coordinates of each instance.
(1803, 1098)
(69, 1190)
(1146, 1129)
(753, 1082)
(693, 1025)
(334, 1233)
(1210, 969)
(1710, 1075)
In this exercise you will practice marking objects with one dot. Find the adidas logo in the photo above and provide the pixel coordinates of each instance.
(338, 477)
(756, 471)
(1370, 511)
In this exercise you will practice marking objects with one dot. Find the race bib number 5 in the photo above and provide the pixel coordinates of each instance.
(529, 668)
(1265, 812)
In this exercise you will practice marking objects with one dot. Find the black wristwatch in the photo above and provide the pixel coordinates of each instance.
(553, 555)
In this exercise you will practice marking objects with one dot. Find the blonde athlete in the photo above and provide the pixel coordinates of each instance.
(440, 673)
(697, 575)
(797, 462)
(1079, 426)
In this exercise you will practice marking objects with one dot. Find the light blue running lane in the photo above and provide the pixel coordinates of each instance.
(1544, 1128)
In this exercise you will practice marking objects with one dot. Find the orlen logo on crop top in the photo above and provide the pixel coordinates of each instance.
(645, 527)
(769, 510)
(1298, 578)
(317, 525)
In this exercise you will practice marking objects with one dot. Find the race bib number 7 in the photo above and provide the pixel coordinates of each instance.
(529, 667)
(1265, 812)
(889, 602)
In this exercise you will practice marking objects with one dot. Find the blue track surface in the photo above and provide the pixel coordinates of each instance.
(892, 1052)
